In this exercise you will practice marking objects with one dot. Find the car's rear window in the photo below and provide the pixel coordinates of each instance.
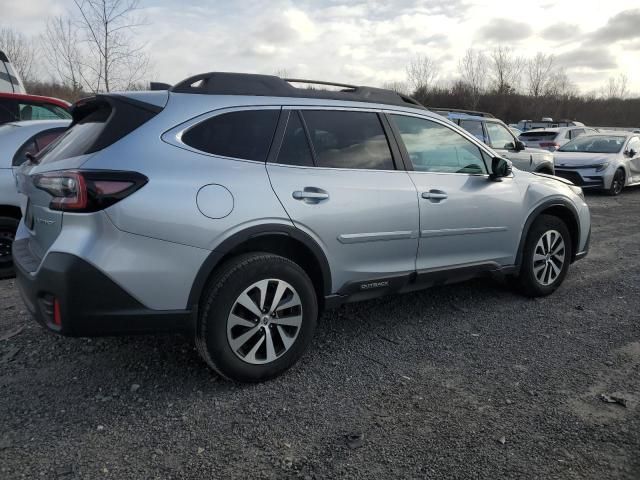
(246, 134)
(538, 134)
(79, 138)
(98, 122)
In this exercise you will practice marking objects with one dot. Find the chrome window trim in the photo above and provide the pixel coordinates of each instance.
(174, 135)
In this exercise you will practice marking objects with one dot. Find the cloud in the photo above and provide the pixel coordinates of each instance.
(594, 58)
(622, 26)
(505, 30)
(561, 31)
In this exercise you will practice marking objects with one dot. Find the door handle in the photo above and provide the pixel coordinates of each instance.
(310, 195)
(435, 195)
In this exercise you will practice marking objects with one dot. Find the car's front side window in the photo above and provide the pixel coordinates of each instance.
(348, 139)
(433, 147)
(499, 136)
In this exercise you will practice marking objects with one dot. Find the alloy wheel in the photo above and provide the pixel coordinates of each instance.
(618, 182)
(264, 321)
(548, 257)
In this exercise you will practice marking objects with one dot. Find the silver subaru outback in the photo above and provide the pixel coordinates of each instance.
(237, 207)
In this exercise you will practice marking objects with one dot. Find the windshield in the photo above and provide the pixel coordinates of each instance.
(595, 144)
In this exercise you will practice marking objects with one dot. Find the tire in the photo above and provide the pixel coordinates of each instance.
(617, 183)
(223, 335)
(8, 227)
(541, 276)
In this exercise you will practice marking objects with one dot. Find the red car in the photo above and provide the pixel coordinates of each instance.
(18, 106)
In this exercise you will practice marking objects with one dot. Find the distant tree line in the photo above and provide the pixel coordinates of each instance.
(514, 88)
(94, 49)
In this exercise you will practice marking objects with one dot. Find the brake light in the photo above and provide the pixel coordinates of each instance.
(57, 316)
(87, 190)
(552, 145)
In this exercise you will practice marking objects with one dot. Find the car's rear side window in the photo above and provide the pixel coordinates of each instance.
(347, 139)
(245, 134)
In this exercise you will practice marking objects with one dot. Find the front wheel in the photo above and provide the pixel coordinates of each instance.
(546, 256)
(617, 184)
(257, 317)
(8, 227)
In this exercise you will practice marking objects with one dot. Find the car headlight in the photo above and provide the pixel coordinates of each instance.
(602, 167)
(577, 190)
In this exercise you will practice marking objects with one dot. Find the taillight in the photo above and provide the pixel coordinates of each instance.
(87, 190)
(552, 145)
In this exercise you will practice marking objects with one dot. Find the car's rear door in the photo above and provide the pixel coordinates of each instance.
(335, 174)
(467, 221)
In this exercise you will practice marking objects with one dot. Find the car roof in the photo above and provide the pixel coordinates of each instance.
(36, 98)
(465, 116)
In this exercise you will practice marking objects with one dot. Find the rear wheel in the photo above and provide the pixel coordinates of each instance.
(8, 227)
(617, 184)
(546, 256)
(257, 317)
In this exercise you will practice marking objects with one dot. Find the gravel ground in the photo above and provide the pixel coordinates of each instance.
(465, 381)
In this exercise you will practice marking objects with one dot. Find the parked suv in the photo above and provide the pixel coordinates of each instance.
(553, 138)
(18, 140)
(238, 207)
(500, 138)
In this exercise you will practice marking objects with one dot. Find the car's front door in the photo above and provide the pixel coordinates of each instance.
(502, 141)
(335, 175)
(633, 153)
(466, 219)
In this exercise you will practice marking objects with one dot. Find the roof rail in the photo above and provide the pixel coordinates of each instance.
(461, 110)
(227, 83)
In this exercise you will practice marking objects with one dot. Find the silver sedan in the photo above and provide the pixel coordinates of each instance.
(605, 161)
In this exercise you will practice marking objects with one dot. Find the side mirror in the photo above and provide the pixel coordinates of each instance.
(520, 146)
(499, 168)
(631, 153)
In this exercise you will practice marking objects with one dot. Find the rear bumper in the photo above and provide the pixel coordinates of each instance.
(89, 303)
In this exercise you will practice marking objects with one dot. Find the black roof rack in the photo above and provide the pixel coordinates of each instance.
(226, 83)
(159, 86)
(461, 110)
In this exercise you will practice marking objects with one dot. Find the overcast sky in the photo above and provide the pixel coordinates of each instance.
(370, 42)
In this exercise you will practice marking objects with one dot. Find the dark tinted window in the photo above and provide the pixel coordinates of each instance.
(433, 147)
(80, 138)
(295, 147)
(35, 144)
(348, 140)
(246, 134)
(474, 127)
(8, 110)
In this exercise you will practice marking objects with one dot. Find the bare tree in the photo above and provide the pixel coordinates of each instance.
(616, 87)
(473, 70)
(20, 50)
(61, 46)
(538, 73)
(282, 73)
(397, 86)
(559, 85)
(422, 73)
(506, 70)
(114, 60)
